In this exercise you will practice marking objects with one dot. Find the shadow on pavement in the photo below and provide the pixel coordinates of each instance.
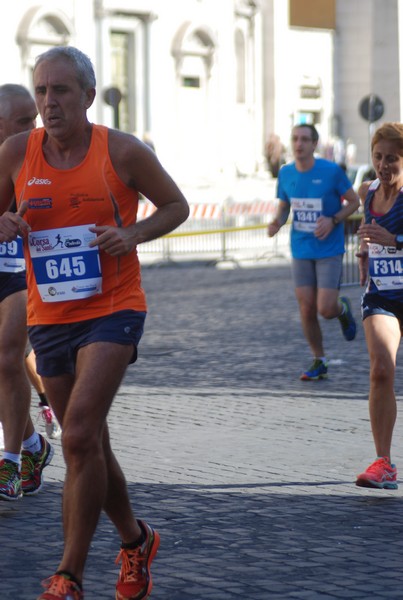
(219, 544)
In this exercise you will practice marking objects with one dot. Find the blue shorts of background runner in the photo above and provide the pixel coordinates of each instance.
(56, 346)
(375, 304)
(10, 283)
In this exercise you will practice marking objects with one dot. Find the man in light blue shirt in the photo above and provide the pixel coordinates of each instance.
(321, 198)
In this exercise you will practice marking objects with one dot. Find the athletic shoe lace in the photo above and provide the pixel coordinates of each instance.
(344, 320)
(65, 588)
(46, 413)
(316, 364)
(7, 470)
(132, 565)
(379, 465)
(27, 465)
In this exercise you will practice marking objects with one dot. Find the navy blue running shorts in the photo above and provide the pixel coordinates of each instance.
(375, 304)
(320, 273)
(56, 346)
(10, 283)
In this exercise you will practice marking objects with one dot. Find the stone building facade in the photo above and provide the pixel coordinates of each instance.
(208, 81)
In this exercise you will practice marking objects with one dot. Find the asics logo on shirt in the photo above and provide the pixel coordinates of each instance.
(36, 181)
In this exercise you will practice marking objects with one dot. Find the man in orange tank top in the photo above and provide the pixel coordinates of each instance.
(77, 187)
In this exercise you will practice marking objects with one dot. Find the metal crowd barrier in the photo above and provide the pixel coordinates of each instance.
(230, 240)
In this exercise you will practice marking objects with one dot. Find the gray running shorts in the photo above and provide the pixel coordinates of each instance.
(322, 273)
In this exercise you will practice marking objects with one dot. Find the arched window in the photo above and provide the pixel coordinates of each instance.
(193, 50)
(39, 30)
(194, 41)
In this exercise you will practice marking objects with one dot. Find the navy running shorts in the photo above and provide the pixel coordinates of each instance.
(375, 304)
(10, 283)
(321, 273)
(56, 346)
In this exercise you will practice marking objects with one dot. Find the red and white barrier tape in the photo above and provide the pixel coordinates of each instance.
(215, 211)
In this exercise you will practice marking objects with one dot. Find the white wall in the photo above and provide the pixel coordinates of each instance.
(359, 58)
(366, 62)
(299, 55)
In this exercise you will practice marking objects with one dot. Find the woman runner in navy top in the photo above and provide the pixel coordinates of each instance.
(381, 269)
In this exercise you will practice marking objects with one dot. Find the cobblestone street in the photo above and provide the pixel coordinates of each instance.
(247, 472)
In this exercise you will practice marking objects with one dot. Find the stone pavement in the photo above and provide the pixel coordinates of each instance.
(246, 471)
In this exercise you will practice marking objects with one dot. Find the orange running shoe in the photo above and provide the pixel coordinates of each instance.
(59, 587)
(135, 582)
(381, 474)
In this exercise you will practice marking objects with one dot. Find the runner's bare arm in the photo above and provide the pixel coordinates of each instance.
(283, 210)
(12, 152)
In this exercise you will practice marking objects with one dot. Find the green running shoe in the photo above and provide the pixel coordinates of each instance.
(347, 321)
(317, 370)
(32, 466)
(10, 481)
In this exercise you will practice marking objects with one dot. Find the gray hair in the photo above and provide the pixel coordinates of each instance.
(80, 61)
(8, 93)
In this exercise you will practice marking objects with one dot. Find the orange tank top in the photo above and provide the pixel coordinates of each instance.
(67, 280)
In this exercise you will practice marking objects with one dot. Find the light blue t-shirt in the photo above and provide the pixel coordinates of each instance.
(311, 194)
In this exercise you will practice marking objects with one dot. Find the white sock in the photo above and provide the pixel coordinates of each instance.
(33, 443)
